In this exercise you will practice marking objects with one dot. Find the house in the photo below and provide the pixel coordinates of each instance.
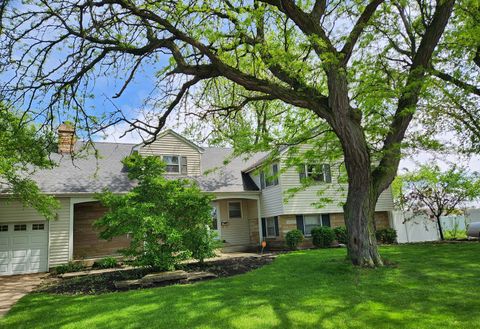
(249, 205)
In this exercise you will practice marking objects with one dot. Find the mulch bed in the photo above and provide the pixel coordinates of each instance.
(102, 283)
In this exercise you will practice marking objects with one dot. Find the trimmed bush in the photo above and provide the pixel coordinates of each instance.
(294, 238)
(107, 262)
(323, 236)
(386, 235)
(341, 234)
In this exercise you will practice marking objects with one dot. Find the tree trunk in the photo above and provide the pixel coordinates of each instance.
(362, 195)
(359, 212)
(440, 230)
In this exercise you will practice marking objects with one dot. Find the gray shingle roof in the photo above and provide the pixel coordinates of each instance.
(89, 174)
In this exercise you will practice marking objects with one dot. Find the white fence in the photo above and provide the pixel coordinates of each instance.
(422, 228)
(417, 229)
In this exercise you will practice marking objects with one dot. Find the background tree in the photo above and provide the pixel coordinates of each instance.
(359, 68)
(24, 149)
(167, 220)
(435, 193)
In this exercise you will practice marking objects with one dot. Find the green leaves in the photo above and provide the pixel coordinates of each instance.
(23, 150)
(167, 219)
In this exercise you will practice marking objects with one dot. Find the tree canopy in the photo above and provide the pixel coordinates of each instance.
(264, 72)
(23, 150)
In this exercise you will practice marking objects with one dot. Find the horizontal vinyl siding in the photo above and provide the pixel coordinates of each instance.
(59, 229)
(237, 230)
(271, 198)
(171, 145)
(302, 202)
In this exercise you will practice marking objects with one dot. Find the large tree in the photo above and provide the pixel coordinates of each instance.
(360, 68)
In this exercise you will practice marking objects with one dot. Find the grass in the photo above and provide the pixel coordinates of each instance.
(432, 286)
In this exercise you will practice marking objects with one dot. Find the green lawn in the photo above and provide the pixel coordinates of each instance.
(432, 286)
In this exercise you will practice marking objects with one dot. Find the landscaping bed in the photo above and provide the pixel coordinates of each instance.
(106, 282)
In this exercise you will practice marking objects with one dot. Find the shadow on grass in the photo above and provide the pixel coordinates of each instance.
(431, 287)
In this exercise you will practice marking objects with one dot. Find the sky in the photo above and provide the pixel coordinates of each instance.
(139, 89)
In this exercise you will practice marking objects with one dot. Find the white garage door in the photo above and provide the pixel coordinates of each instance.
(23, 248)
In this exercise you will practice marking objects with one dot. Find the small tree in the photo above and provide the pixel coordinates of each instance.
(166, 219)
(437, 193)
(24, 148)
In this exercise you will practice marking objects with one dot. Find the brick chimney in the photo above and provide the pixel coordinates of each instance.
(66, 138)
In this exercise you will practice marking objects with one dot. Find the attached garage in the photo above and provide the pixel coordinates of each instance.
(23, 248)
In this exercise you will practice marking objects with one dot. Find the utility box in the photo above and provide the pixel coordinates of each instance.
(474, 230)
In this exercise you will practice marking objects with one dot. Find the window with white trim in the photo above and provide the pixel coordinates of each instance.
(269, 176)
(3, 228)
(175, 164)
(315, 220)
(317, 172)
(234, 209)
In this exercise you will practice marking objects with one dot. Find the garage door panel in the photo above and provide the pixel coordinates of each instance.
(19, 240)
(4, 257)
(24, 251)
(19, 268)
(4, 269)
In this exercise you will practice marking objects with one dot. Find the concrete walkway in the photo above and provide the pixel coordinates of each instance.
(14, 287)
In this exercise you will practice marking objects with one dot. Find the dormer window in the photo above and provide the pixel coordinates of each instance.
(269, 176)
(175, 164)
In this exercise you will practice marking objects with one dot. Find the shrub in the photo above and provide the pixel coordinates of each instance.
(107, 262)
(455, 234)
(70, 267)
(386, 235)
(167, 219)
(322, 236)
(341, 234)
(294, 238)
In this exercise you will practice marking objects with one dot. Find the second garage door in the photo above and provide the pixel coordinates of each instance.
(23, 248)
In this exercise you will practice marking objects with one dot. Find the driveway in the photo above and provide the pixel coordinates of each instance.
(14, 287)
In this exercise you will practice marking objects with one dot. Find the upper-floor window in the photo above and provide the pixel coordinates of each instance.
(269, 176)
(176, 164)
(317, 172)
(235, 209)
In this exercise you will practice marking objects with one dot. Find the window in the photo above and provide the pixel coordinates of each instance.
(235, 209)
(3, 228)
(38, 227)
(270, 227)
(269, 177)
(20, 227)
(175, 164)
(312, 221)
(318, 172)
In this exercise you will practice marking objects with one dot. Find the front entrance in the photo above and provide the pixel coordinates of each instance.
(86, 242)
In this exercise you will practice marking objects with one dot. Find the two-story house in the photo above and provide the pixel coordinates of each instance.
(249, 206)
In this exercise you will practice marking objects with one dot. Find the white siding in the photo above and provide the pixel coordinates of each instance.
(59, 235)
(304, 201)
(169, 144)
(59, 229)
(235, 231)
(271, 198)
